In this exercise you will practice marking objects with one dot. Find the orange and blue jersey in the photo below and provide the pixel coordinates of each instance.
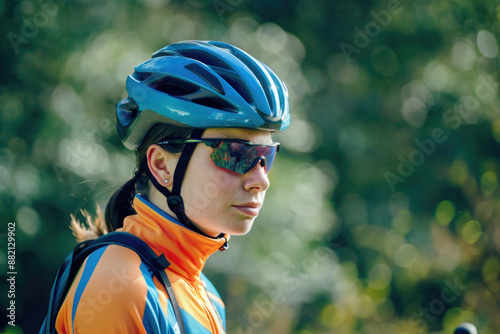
(114, 292)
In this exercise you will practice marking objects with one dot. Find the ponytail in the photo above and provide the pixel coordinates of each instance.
(120, 205)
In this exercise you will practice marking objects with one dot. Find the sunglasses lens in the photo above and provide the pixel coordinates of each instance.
(241, 158)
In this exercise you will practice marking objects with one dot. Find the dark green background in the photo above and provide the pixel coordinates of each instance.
(383, 212)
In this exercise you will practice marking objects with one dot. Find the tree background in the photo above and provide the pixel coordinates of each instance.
(383, 212)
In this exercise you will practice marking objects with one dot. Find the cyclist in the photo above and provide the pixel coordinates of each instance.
(198, 114)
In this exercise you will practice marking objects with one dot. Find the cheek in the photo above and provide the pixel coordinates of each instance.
(209, 201)
(219, 186)
(206, 188)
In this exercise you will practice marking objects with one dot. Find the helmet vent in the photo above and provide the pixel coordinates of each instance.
(164, 53)
(204, 57)
(173, 86)
(237, 83)
(141, 76)
(216, 103)
(207, 76)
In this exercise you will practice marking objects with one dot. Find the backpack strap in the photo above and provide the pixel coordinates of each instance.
(68, 270)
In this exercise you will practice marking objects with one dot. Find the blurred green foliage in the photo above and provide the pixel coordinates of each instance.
(383, 211)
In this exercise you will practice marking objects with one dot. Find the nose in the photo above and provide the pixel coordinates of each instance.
(256, 179)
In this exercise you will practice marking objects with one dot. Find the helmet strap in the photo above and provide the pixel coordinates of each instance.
(174, 199)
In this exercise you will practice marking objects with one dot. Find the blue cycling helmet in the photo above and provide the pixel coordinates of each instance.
(201, 84)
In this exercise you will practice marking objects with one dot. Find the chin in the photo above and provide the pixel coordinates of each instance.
(240, 228)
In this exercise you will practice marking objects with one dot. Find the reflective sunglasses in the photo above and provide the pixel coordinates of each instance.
(237, 155)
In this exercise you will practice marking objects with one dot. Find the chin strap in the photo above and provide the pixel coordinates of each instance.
(174, 199)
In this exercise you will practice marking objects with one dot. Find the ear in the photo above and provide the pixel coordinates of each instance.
(162, 164)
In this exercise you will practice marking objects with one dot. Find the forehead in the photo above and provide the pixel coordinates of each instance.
(254, 136)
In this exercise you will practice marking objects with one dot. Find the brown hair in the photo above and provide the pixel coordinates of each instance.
(120, 203)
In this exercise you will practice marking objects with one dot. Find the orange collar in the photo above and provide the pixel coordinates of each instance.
(185, 249)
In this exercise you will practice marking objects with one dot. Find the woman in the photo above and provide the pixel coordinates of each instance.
(199, 114)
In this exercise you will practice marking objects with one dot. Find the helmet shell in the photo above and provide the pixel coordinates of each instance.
(202, 84)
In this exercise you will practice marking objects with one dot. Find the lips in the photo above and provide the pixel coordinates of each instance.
(251, 208)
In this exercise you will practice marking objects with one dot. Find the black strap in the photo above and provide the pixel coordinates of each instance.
(171, 295)
(180, 169)
(174, 199)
